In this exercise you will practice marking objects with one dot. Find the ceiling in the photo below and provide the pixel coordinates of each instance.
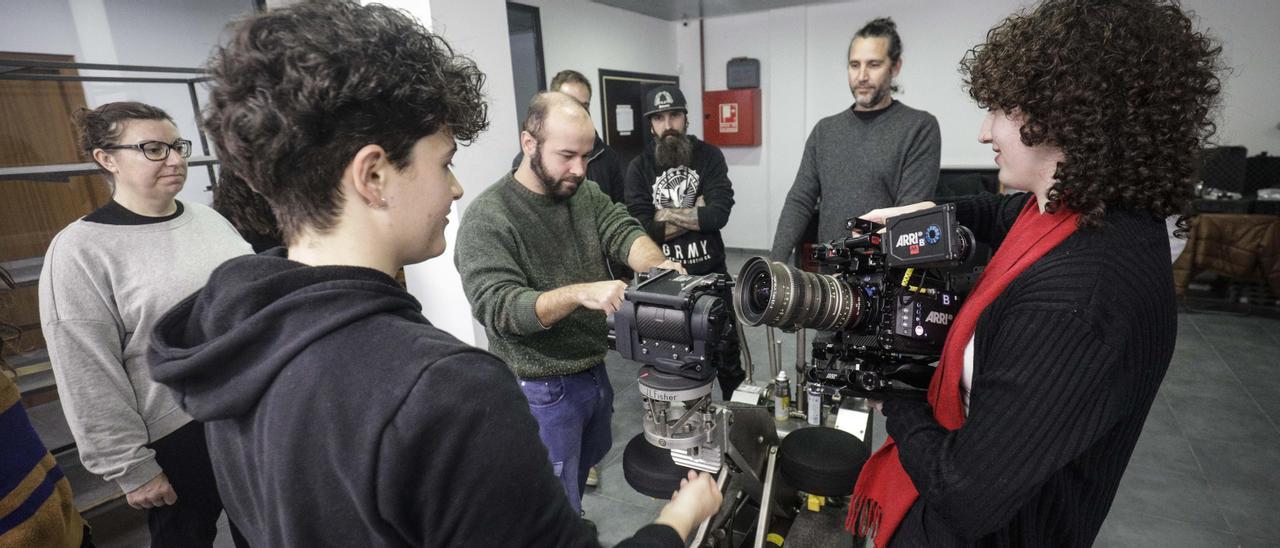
(678, 10)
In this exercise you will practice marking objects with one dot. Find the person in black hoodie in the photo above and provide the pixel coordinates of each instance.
(336, 414)
(680, 192)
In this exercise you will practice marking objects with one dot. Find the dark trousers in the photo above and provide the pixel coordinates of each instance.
(193, 520)
(573, 414)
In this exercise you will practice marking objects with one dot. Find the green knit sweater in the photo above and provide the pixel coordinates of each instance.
(515, 244)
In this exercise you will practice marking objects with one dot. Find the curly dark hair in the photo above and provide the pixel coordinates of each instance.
(296, 92)
(245, 209)
(1124, 88)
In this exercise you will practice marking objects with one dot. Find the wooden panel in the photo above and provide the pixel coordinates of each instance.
(36, 117)
(36, 128)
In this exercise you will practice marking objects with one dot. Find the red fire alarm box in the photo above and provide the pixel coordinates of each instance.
(731, 117)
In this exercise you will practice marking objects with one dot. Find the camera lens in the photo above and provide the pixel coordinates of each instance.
(777, 295)
(760, 292)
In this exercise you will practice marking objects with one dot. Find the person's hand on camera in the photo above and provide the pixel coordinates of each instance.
(877, 405)
(152, 494)
(605, 296)
(699, 498)
(672, 265)
(884, 213)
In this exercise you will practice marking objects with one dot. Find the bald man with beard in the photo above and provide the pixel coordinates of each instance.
(532, 250)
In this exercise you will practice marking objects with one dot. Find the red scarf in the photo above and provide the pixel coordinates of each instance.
(884, 492)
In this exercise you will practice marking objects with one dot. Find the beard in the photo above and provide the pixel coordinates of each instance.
(672, 149)
(560, 189)
(874, 99)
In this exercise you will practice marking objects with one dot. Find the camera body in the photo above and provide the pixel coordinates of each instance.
(884, 298)
(676, 323)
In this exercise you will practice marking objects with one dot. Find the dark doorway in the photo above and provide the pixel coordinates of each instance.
(524, 27)
(620, 95)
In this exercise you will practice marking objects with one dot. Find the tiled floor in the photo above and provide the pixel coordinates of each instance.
(1206, 471)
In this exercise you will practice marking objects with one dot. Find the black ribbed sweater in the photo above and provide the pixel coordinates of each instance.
(1067, 361)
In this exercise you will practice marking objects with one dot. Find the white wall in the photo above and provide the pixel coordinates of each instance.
(1251, 92)
(436, 283)
(585, 36)
(803, 79)
(177, 33)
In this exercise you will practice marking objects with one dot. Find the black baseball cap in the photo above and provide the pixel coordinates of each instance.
(662, 99)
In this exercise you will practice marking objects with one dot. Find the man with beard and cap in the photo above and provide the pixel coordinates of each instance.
(878, 153)
(680, 192)
(531, 251)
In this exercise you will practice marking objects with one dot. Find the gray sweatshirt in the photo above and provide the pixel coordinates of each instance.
(102, 289)
(852, 166)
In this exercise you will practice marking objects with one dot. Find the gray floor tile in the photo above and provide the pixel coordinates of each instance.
(622, 373)
(1237, 330)
(1195, 366)
(1160, 419)
(1240, 465)
(1258, 372)
(1250, 542)
(51, 424)
(1168, 494)
(1164, 453)
(1268, 400)
(1124, 529)
(1221, 418)
(1249, 511)
(628, 420)
(1218, 383)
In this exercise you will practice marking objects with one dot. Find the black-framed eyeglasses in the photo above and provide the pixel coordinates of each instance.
(158, 150)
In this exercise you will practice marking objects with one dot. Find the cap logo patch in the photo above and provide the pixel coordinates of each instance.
(662, 99)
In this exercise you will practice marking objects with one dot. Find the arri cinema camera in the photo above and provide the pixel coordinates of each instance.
(886, 298)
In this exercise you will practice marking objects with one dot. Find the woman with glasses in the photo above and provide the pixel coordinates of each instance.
(106, 279)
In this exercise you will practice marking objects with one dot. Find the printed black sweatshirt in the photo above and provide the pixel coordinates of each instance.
(707, 176)
(1067, 362)
(337, 415)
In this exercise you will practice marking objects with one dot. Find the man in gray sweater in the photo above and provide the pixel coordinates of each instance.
(531, 251)
(879, 153)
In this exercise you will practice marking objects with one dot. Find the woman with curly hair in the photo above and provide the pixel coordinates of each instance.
(1096, 112)
(336, 414)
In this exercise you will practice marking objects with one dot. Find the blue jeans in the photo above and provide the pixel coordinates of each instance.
(573, 414)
